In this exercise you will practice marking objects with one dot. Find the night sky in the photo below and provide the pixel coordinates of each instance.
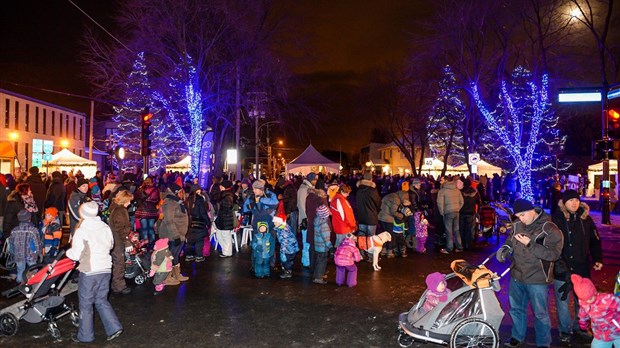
(343, 42)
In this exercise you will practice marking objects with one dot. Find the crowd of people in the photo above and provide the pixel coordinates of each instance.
(318, 216)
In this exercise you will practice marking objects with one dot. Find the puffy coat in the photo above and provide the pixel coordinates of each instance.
(602, 313)
(367, 203)
(288, 241)
(289, 197)
(14, 204)
(347, 253)
(302, 194)
(147, 198)
(91, 246)
(175, 221)
(343, 219)
(226, 215)
(315, 199)
(199, 217)
(56, 195)
(120, 225)
(449, 198)
(471, 198)
(263, 245)
(322, 231)
(389, 208)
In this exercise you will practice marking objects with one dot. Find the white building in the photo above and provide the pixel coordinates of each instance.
(31, 128)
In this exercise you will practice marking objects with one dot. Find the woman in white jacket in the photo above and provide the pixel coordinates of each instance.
(91, 246)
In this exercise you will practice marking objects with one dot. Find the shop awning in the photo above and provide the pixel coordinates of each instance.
(6, 149)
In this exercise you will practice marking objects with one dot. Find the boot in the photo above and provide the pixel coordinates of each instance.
(171, 280)
(176, 270)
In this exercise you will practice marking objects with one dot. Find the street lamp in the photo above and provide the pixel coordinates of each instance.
(279, 142)
(14, 136)
(64, 143)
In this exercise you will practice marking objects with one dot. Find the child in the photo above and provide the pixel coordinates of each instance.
(322, 242)
(262, 249)
(398, 229)
(161, 265)
(52, 233)
(436, 290)
(602, 310)
(345, 258)
(421, 231)
(24, 243)
(288, 245)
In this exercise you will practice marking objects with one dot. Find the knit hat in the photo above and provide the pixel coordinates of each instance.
(583, 287)
(89, 210)
(323, 211)
(311, 176)
(521, 205)
(259, 184)
(569, 194)
(246, 181)
(82, 181)
(174, 188)
(404, 185)
(227, 184)
(368, 176)
(161, 243)
(24, 215)
(277, 221)
(52, 211)
(415, 181)
(433, 280)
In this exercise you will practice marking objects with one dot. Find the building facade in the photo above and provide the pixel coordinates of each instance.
(32, 129)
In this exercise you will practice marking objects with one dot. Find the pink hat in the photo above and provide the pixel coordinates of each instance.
(584, 288)
(161, 243)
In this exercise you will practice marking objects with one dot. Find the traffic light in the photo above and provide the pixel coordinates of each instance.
(145, 142)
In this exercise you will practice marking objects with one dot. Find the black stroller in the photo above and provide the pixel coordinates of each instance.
(43, 299)
(137, 262)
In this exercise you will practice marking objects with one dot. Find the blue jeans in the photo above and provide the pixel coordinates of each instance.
(93, 290)
(368, 230)
(536, 294)
(451, 224)
(292, 221)
(596, 343)
(566, 323)
(146, 229)
(21, 267)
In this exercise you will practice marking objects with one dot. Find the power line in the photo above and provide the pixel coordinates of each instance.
(112, 102)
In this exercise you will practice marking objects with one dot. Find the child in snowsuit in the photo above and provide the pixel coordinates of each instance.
(436, 290)
(602, 310)
(421, 231)
(288, 245)
(263, 245)
(24, 243)
(52, 233)
(345, 258)
(322, 242)
(161, 264)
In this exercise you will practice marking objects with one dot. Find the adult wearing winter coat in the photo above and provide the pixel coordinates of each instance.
(20, 199)
(225, 221)
(367, 204)
(289, 197)
(581, 252)
(37, 186)
(174, 226)
(302, 194)
(56, 196)
(471, 200)
(200, 222)
(449, 203)
(121, 228)
(389, 211)
(76, 199)
(343, 218)
(316, 197)
(91, 246)
(147, 197)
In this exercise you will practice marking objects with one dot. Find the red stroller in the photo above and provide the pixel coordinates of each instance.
(43, 300)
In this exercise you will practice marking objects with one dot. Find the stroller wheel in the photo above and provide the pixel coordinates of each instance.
(53, 330)
(405, 340)
(8, 324)
(139, 279)
(75, 318)
(474, 332)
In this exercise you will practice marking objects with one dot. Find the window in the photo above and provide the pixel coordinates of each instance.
(27, 152)
(36, 119)
(60, 129)
(74, 127)
(53, 123)
(45, 121)
(16, 115)
(7, 106)
(81, 128)
(67, 126)
(27, 118)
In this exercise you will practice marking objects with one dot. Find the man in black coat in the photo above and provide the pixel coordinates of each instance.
(56, 196)
(37, 186)
(367, 205)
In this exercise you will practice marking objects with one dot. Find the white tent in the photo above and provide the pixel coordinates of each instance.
(312, 161)
(67, 160)
(595, 170)
(435, 168)
(181, 166)
(483, 168)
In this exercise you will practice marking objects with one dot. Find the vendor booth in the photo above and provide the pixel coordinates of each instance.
(312, 161)
(7, 157)
(68, 161)
(434, 168)
(482, 169)
(182, 166)
(595, 173)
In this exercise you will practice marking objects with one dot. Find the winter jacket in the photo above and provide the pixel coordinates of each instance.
(226, 215)
(14, 204)
(75, 200)
(289, 197)
(147, 198)
(56, 195)
(302, 194)
(322, 231)
(343, 219)
(120, 225)
(471, 198)
(52, 234)
(601, 313)
(175, 221)
(263, 245)
(581, 241)
(38, 191)
(199, 217)
(25, 243)
(287, 240)
(91, 245)
(161, 261)
(367, 203)
(533, 263)
(262, 210)
(389, 208)
(347, 253)
(315, 199)
(449, 198)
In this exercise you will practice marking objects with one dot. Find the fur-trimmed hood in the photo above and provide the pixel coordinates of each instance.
(366, 183)
(583, 211)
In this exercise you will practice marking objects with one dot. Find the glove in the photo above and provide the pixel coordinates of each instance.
(566, 289)
(504, 253)
(283, 257)
(304, 224)
(128, 249)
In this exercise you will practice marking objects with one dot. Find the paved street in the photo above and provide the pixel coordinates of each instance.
(222, 305)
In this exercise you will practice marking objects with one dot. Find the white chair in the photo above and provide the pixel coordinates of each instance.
(234, 238)
(246, 237)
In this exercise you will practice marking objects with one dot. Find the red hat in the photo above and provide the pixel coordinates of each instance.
(583, 287)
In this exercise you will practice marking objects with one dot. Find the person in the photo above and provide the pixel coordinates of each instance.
(601, 310)
(121, 228)
(449, 203)
(322, 241)
(4, 192)
(367, 204)
(535, 243)
(556, 196)
(37, 186)
(76, 199)
(147, 197)
(581, 249)
(343, 218)
(289, 197)
(306, 225)
(91, 245)
(94, 192)
(262, 204)
(345, 257)
(56, 196)
(24, 243)
(436, 290)
(20, 199)
(52, 233)
(387, 215)
(415, 198)
(471, 202)
(421, 231)
(161, 265)
(173, 226)
(200, 222)
(263, 247)
(225, 221)
(288, 245)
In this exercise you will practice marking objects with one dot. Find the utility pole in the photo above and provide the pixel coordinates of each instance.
(91, 137)
(238, 123)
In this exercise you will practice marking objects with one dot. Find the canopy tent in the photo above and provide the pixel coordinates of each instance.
(181, 166)
(312, 161)
(67, 160)
(595, 171)
(435, 168)
(483, 168)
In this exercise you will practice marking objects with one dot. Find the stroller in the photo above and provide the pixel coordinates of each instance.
(137, 262)
(469, 318)
(43, 300)
(6, 258)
